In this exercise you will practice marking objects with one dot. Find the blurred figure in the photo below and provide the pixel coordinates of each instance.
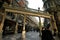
(54, 32)
(54, 35)
(43, 28)
(47, 34)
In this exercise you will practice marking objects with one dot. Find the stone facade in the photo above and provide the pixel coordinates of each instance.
(52, 6)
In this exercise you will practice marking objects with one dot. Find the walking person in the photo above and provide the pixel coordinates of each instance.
(41, 31)
(47, 34)
(54, 32)
(55, 35)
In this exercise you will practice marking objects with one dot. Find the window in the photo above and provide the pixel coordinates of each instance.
(52, 4)
(11, 15)
(47, 5)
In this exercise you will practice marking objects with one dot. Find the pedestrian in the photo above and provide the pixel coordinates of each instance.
(54, 35)
(47, 34)
(54, 32)
(43, 28)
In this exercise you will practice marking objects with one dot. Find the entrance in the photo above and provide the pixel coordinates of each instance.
(8, 27)
(20, 18)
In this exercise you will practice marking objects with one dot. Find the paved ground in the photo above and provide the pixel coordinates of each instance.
(12, 37)
(29, 36)
(32, 36)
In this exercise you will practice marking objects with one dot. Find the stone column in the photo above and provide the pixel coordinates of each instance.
(24, 32)
(40, 23)
(40, 26)
(51, 27)
(1, 26)
(16, 27)
(53, 23)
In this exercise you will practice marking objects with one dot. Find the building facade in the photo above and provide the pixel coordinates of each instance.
(46, 22)
(52, 6)
(12, 19)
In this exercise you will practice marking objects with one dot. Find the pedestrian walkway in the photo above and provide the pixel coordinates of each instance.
(32, 36)
(29, 36)
(12, 37)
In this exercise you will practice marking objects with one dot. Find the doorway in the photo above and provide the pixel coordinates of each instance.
(8, 27)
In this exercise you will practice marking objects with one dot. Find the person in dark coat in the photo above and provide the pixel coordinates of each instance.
(47, 34)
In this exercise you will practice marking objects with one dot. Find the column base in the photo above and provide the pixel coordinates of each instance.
(23, 35)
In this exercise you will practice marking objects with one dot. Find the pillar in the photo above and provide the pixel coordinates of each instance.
(24, 32)
(53, 23)
(1, 26)
(51, 27)
(40, 26)
(39, 20)
(16, 27)
(40, 23)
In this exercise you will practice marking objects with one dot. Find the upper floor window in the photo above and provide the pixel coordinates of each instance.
(51, 3)
(47, 5)
(11, 15)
